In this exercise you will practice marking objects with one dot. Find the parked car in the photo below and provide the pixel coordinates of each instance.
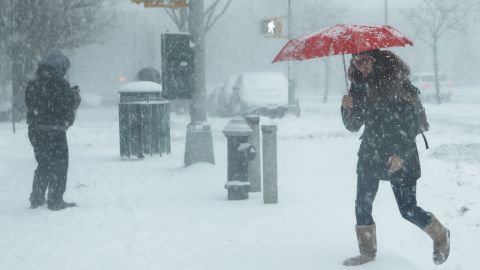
(426, 83)
(262, 93)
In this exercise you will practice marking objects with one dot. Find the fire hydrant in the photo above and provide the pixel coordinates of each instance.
(240, 152)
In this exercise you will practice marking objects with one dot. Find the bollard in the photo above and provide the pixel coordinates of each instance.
(240, 152)
(254, 167)
(270, 188)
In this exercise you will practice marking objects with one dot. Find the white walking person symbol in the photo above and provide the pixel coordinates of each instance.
(271, 27)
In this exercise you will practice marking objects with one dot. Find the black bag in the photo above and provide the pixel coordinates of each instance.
(413, 97)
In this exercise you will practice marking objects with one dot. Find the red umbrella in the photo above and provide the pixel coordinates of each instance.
(342, 39)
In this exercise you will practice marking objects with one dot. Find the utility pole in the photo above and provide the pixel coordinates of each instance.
(386, 12)
(291, 77)
(199, 142)
(16, 69)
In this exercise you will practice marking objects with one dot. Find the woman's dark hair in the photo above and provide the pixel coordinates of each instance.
(387, 65)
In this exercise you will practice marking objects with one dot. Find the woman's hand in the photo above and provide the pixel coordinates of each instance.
(395, 163)
(347, 102)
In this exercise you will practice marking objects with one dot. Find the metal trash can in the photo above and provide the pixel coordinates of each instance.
(144, 120)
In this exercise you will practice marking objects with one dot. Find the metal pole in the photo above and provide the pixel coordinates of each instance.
(291, 76)
(269, 142)
(345, 72)
(386, 12)
(12, 29)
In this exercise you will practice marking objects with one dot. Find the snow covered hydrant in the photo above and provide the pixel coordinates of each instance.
(240, 152)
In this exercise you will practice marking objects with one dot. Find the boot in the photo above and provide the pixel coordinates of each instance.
(441, 240)
(36, 203)
(367, 244)
(60, 205)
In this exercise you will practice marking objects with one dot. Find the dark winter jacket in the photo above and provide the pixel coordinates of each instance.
(382, 103)
(51, 103)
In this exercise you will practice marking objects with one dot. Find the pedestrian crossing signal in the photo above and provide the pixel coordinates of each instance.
(272, 27)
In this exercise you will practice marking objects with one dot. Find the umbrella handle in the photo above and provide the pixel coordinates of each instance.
(345, 72)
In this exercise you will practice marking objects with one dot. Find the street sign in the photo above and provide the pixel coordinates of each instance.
(162, 3)
(272, 27)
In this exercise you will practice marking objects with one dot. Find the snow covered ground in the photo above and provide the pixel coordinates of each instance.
(155, 214)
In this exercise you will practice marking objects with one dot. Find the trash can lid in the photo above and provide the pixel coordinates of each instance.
(141, 86)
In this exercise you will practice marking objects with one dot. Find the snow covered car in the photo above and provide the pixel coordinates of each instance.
(426, 83)
(262, 93)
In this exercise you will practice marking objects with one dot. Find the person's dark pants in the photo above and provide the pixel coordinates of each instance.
(51, 152)
(405, 194)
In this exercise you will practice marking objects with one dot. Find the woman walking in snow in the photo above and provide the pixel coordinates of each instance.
(382, 98)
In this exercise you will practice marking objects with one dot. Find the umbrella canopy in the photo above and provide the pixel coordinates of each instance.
(342, 39)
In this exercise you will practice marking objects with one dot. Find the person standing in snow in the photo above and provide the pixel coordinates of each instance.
(382, 99)
(51, 107)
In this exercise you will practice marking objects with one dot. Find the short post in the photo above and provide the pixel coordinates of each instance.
(240, 152)
(254, 167)
(270, 188)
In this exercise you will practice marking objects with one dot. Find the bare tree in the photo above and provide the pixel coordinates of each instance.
(29, 28)
(181, 18)
(435, 19)
(197, 21)
(320, 14)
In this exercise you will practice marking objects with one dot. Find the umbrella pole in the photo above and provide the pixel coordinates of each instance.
(345, 72)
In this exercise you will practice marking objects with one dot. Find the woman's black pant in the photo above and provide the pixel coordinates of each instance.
(51, 152)
(405, 194)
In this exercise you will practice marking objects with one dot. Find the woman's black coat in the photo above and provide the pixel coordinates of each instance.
(50, 101)
(390, 127)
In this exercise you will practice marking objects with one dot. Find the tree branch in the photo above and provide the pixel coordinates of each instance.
(173, 15)
(212, 23)
(210, 11)
(212, 7)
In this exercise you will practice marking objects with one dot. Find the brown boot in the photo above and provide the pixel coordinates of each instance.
(367, 244)
(441, 240)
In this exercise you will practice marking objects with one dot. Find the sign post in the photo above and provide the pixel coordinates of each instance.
(273, 28)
